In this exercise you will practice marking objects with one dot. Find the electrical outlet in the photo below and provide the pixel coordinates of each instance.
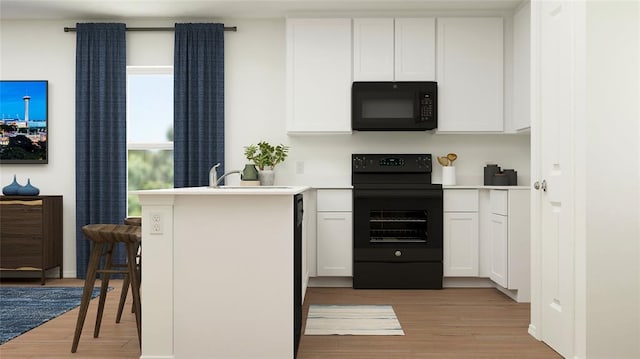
(299, 167)
(156, 223)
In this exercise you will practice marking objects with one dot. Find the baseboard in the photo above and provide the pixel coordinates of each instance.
(467, 282)
(157, 357)
(35, 273)
(339, 282)
(532, 331)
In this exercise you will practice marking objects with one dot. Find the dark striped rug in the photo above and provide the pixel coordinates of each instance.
(24, 308)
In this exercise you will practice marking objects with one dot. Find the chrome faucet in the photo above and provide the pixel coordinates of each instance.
(214, 181)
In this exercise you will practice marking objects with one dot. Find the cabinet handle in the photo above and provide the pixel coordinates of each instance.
(398, 253)
(536, 185)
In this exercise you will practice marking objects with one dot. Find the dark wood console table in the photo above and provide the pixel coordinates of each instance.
(31, 233)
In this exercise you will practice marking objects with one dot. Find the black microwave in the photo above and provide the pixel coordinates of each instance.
(394, 106)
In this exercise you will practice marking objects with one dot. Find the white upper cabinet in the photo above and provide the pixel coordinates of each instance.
(319, 75)
(415, 49)
(521, 68)
(470, 74)
(401, 49)
(373, 50)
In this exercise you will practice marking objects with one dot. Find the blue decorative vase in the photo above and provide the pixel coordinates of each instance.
(28, 190)
(12, 189)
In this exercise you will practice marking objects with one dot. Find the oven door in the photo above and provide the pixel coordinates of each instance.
(397, 239)
(388, 219)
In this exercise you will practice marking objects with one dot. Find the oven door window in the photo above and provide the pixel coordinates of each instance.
(397, 226)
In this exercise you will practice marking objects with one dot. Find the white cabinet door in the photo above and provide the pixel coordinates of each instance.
(521, 68)
(373, 50)
(335, 244)
(461, 233)
(470, 74)
(388, 49)
(415, 49)
(460, 244)
(319, 75)
(499, 250)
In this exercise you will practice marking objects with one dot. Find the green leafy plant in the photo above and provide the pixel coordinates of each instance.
(266, 156)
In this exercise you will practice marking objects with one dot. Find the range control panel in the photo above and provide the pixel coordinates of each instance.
(391, 163)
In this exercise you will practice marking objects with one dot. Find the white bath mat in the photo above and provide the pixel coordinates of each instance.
(352, 320)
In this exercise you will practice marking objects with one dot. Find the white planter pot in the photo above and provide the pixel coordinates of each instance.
(266, 177)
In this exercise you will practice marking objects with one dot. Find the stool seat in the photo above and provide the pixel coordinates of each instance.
(104, 237)
(112, 233)
(133, 221)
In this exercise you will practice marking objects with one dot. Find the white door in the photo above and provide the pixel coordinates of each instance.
(553, 111)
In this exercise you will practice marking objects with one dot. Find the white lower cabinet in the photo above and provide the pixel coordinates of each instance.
(460, 244)
(334, 233)
(335, 247)
(498, 244)
(461, 233)
(509, 238)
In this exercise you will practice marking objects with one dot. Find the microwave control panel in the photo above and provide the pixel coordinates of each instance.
(427, 107)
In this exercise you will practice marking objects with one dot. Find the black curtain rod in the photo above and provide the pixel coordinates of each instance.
(73, 29)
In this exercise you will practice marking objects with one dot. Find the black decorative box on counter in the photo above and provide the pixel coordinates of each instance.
(494, 176)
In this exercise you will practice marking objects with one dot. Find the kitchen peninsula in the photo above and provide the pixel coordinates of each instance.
(222, 274)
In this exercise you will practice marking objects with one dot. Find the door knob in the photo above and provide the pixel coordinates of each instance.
(537, 185)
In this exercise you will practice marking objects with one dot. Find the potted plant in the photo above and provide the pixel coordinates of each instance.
(266, 156)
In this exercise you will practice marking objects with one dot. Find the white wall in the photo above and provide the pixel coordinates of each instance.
(255, 111)
(613, 180)
(42, 51)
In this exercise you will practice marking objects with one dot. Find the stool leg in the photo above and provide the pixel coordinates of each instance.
(138, 266)
(103, 288)
(94, 262)
(135, 286)
(123, 297)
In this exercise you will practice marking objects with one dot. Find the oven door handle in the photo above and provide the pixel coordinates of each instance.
(396, 193)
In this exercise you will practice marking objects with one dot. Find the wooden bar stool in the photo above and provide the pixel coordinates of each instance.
(106, 236)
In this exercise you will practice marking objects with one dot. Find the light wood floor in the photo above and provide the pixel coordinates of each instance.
(449, 323)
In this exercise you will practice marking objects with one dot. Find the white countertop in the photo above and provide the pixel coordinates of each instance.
(486, 187)
(227, 191)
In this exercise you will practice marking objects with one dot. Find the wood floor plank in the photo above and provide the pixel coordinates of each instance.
(449, 323)
(444, 324)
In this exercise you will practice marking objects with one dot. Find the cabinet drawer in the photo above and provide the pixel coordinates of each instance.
(498, 201)
(334, 200)
(463, 200)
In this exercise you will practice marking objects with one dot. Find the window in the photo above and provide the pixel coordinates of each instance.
(149, 131)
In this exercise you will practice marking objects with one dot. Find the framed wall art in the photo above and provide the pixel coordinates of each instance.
(24, 121)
